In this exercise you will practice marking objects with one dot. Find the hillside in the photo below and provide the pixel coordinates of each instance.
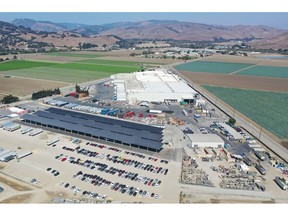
(278, 42)
(31, 34)
(46, 25)
(189, 31)
(23, 38)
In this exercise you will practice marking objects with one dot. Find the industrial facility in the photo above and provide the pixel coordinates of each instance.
(205, 140)
(99, 127)
(157, 85)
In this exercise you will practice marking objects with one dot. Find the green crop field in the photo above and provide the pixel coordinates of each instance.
(69, 54)
(67, 72)
(60, 74)
(266, 71)
(268, 109)
(212, 67)
(119, 63)
(94, 67)
(21, 64)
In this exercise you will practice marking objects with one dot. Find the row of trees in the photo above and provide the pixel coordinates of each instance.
(9, 99)
(45, 93)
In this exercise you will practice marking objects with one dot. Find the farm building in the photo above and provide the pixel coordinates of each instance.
(99, 127)
(205, 140)
(157, 85)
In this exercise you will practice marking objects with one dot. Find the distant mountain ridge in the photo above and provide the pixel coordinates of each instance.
(46, 25)
(260, 36)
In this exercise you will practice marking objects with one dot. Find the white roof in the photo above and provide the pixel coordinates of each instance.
(156, 85)
(16, 109)
(232, 131)
(197, 138)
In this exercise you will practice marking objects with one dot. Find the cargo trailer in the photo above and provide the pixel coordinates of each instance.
(35, 132)
(260, 155)
(280, 183)
(23, 154)
(26, 130)
(52, 142)
(247, 161)
(155, 111)
(9, 155)
(260, 169)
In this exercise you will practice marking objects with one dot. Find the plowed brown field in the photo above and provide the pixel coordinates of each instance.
(248, 60)
(25, 86)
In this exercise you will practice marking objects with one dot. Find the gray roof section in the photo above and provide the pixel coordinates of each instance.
(104, 119)
(87, 124)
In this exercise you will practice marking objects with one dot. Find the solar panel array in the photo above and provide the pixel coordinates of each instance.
(100, 126)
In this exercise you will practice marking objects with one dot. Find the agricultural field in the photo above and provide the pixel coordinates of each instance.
(21, 86)
(118, 63)
(266, 71)
(98, 67)
(65, 72)
(69, 54)
(268, 109)
(235, 81)
(22, 64)
(212, 67)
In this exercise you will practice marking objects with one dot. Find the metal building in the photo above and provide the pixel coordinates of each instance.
(99, 127)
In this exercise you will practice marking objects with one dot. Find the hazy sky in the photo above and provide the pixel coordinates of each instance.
(279, 20)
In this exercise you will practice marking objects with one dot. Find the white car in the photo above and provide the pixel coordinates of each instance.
(156, 196)
(60, 183)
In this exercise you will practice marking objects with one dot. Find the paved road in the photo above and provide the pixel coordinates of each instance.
(262, 136)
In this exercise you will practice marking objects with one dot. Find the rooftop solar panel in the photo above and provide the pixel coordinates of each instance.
(114, 129)
(106, 120)
(101, 126)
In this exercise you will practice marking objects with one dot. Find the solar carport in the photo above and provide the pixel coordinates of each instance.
(99, 127)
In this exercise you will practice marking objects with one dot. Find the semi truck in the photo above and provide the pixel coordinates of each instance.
(260, 155)
(280, 183)
(260, 169)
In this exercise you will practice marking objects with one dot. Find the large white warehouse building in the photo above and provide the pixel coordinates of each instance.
(157, 85)
(205, 140)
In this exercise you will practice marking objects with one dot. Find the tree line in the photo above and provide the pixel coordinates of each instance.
(45, 93)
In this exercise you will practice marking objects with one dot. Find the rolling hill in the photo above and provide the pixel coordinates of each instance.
(24, 32)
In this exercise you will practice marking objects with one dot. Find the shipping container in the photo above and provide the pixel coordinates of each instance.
(104, 111)
(129, 114)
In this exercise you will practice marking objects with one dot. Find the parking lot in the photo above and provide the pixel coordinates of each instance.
(91, 169)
